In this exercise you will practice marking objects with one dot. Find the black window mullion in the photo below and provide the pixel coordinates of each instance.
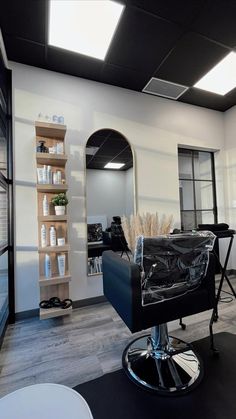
(214, 188)
(194, 191)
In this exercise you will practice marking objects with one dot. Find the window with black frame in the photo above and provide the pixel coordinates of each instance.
(196, 188)
(6, 201)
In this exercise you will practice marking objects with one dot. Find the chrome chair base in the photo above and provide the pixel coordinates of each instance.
(170, 370)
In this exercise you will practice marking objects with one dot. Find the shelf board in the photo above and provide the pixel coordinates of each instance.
(51, 159)
(95, 274)
(48, 313)
(51, 188)
(52, 217)
(48, 130)
(45, 282)
(54, 249)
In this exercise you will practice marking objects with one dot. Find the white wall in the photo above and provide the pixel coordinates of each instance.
(153, 126)
(107, 191)
(129, 192)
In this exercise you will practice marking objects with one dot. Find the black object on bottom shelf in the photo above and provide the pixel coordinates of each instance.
(56, 302)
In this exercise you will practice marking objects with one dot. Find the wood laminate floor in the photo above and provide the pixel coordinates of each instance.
(83, 346)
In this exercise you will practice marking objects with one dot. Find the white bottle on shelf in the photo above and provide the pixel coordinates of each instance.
(58, 177)
(45, 178)
(47, 266)
(49, 174)
(60, 147)
(45, 206)
(43, 236)
(53, 236)
(61, 261)
(54, 178)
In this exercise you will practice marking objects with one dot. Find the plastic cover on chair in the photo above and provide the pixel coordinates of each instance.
(172, 265)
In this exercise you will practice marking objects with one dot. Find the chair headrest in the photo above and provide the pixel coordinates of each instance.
(172, 265)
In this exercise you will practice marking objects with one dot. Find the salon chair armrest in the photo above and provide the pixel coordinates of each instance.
(122, 288)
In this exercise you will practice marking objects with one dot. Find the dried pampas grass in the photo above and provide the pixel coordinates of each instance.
(147, 225)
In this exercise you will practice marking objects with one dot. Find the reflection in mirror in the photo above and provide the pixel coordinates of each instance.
(110, 194)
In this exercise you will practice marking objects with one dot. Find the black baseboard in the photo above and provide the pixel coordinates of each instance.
(76, 304)
(22, 315)
(3, 333)
(89, 301)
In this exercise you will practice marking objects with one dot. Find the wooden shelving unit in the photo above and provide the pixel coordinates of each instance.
(52, 188)
(52, 159)
(44, 218)
(56, 285)
(46, 130)
(48, 313)
(45, 282)
(54, 249)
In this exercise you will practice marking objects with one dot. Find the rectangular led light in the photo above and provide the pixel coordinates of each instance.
(83, 26)
(221, 78)
(114, 165)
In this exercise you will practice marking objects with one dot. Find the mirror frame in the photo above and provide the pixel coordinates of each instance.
(85, 188)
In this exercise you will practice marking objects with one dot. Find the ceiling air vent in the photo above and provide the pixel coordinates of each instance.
(164, 88)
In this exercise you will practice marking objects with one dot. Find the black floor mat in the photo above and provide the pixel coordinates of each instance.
(114, 396)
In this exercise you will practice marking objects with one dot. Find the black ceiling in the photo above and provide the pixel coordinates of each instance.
(174, 40)
(113, 147)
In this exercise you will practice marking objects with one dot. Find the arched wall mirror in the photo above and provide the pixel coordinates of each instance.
(110, 194)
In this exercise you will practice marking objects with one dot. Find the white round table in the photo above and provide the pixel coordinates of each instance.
(44, 401)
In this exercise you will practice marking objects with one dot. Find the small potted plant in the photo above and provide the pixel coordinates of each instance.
(60, 201)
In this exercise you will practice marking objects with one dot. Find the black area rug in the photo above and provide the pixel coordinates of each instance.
(114, 396)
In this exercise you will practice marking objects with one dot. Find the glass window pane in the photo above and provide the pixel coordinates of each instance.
(3, 217)
(3, 284)
(186, 195)
(188, 220)
(185, 164)
(205, 217)
(204, 195)
(3, 103)
(202, 165)
(3, 152)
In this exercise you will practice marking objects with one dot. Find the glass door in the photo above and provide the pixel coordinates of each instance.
(7, 302)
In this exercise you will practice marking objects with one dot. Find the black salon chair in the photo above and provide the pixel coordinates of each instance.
(172, 277)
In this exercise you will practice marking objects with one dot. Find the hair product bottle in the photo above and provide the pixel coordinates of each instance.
(45, 206)
(40, 175)
(43, 236)
(47, 266)
(49, 174)
(52, 236)
(60, 147)
(61, 262)
(59, 177)
(45, 178)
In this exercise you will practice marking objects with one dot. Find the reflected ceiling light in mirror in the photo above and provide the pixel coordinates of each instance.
(85, 27)
(114, 165)
(221, 79)
(91, 151)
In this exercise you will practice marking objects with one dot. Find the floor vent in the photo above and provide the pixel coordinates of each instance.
(164, 88)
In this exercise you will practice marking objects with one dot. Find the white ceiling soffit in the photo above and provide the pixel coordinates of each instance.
(164, 88)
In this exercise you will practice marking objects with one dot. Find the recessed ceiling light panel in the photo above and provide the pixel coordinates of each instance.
(114, 165)
(221, 79)
(83, 26)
